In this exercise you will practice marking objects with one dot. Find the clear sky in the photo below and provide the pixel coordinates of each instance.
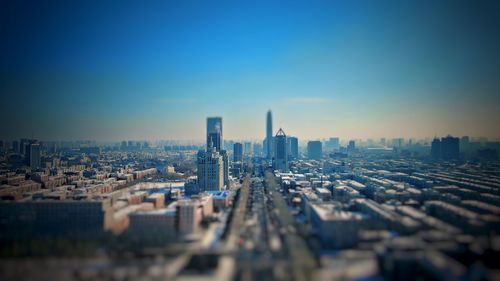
(355, 69)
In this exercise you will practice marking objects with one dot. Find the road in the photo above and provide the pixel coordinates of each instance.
(264, 238)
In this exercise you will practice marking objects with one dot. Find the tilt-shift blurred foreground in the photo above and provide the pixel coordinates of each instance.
(249, 140)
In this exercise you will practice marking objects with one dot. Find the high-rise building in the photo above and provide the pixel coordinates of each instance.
(15, 146)
(257, 149)
(214, 132)
(225, 167)
(314, 150)
(247, 148)
(397, 142)
(464, 143)
(436, 148)
(280, 160)
(238, 152)
(34, 156)
(269, 135)
(450, 148)
(351, 146)
(293, 147)
(210, 170)
(333, 144)
(447, 148)
(22, 146)
(123, 145)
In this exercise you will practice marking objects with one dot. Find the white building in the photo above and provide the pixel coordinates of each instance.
(210, 170)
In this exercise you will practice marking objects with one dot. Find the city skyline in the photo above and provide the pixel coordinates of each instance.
(327, 68)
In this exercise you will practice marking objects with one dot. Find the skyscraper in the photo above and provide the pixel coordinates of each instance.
(210, 170)
(436, 148)
(238, 152)
(225, 167)
(269, 135)
(450, 148)
(214, 132)
(247, 148)
(351, 146)
(314, 150)
(257, 149)
(293, 147)
(34, 156)
(280, 161)
(332, 144)
(447, 148)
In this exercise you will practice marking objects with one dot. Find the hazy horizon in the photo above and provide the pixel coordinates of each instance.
(85, 70)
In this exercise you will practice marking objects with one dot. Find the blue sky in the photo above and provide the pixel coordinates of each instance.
(156, 70)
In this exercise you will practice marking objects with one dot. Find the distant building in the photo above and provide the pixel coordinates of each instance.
(15, 146)
(210, 170)
(269, 135)
(280, 160)
(34, 156)
(22, 146)
(247, 148)
(314, 150)
(397, 143)
(225, 167)
(436, 148)
(448, 148)
(257, 149)
(351, 146)
(332, 144)
(293, 147)
(214, 132)
(238, 152)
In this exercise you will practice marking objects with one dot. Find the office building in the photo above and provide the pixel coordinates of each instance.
(225, 167)
(238, 152)
(314, 150)
(351, 146)
(15, 146)
(269, 135)
(450, 148)
(22, 146)
(188, 216)
(332, 144)
(210, 170)
(34, 156)
(280, 159)
(293, 147)
(398, 143)
(257, 149)
(436, 148)
(214, 132)
(247, 148)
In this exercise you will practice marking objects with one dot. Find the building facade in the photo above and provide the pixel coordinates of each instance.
(280, 159)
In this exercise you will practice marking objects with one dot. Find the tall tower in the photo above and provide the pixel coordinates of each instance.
(280, 161)
(210, 170)
(269, 135)
(214, 133)
(34, 156)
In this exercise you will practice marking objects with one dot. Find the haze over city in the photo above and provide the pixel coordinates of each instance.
(250, 140)
(87, 70)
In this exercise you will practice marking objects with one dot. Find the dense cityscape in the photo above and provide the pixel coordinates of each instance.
(279, 209)
(301, 140)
